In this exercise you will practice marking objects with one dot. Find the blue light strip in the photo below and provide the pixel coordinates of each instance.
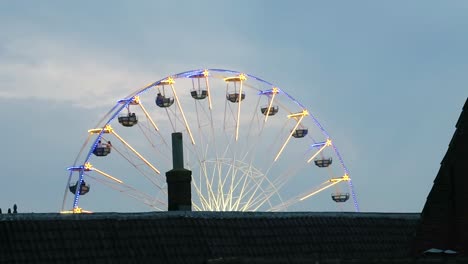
(356, 205)
(270, 91)
(318, 145)
(75, 168)
(77, 190)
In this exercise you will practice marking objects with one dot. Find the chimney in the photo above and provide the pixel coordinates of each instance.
(179, 190)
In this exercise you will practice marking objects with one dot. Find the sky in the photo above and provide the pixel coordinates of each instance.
(387, 79)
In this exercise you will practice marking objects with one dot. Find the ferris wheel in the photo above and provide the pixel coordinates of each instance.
(249, 144)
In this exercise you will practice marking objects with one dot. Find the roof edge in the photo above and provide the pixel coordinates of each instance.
(211, 215)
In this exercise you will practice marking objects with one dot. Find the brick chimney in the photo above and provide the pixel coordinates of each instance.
(179, 190)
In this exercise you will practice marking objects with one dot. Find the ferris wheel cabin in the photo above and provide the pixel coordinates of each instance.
(101, 151)
(234, 94)
(340, 197)
(300, 132)
(199, 94)
(269, 110)
(322, 162)
(84, 187)
(128, 120)
(163, 101)
(234, 97)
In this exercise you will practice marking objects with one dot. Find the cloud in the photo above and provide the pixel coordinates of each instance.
(65, 72)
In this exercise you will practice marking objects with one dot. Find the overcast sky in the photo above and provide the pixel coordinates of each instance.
(387, 79)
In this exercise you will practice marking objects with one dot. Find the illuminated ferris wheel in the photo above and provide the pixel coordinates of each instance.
(249, 144)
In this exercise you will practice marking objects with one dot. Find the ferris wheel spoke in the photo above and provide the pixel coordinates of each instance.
(286, 173)
(197, 208)
(295, 199)
(148, 132)
(304, 196)
(151, 178)
(266, 199)
(221, 185)
(221, 193)
(274, 92)
(217, 173)
(246, 175)
(253, 191)
(136, 152)
(200, 195)
(329, 184)
(249, 205)
(239, 110)
(209, 187)
(132, 192)
(322, 146)
(153, 144)
(148, 116)
(170, 120)
(277, 187)
(247, 146)
(233, 186)
(301, 116)
(106, 175)
(182, 113)
(270, 190)
(208, 89)
(241, 194)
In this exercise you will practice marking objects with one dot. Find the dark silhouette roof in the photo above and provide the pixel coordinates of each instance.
(202, 237)
(444, 219)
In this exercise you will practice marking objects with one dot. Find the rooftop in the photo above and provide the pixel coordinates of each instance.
(199, 237)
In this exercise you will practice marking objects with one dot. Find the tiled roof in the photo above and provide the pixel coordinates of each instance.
(444, 219)
(202, 237)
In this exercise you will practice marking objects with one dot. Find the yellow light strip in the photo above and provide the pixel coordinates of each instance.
(302, 114)
(343, 178)
(319, 190)
(327, 143)
(238, 78)
(238, 110)
(107, 129)
(89, 167)
(275, 91)
(136, 153)
(182, 112)
(107, 175)
(148, 116)
(289, 137)
(206, 74)
(76, 210)
(169, 80)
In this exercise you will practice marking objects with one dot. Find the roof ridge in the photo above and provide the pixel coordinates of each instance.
(206, 215)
